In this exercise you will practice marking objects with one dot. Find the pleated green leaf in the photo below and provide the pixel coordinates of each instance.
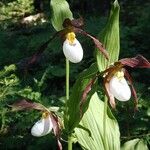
(60, 11)
(136, 144)
(73, 114)
(90, 131)
(110, 38)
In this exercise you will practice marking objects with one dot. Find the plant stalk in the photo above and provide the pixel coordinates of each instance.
(67, 80)
(67, 98)
(105, 123)
(69, 143)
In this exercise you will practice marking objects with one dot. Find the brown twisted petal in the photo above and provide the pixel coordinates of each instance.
(133, 91)
(59, 144)
(108, 93)
(56, 129)
(97, 43)
(85, 93)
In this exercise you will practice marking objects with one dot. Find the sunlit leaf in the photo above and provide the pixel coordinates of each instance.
(110, 38)
(90, 131)
(136, 144)
(60, 11)
(7, 70)
(73, 117)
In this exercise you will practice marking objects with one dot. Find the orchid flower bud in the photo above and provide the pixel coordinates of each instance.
(43, 126)
(72, 48)
(119, 87)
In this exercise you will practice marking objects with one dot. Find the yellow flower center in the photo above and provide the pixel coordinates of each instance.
(45, 114)
(71, 37)
(119, 75)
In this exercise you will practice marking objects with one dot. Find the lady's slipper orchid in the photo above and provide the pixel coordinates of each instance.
(72, 48)
(49, 121)
(115, 83)
(43, 126)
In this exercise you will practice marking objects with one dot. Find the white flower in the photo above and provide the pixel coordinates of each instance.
(72, 48)
(42, 127)
(119, 87)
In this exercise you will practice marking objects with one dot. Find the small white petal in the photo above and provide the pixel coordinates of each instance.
(73, 52)
(120, 88)
(42, 127)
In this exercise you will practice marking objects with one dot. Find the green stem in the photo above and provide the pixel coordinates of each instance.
(67, 98)
(105, 122)
(69, 143)
(67, 80)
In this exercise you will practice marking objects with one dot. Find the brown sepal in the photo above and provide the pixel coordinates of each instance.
(77, 22)
(24, 104)
(136, 62)
(73, 23)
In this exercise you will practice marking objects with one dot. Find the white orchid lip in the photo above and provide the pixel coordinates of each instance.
(42, 127)
(119, 87)
(72, 48)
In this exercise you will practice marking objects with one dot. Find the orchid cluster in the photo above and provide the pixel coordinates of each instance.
(116, 79)
(73, 51)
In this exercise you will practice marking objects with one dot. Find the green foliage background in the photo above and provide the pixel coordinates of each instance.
(45, 81)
